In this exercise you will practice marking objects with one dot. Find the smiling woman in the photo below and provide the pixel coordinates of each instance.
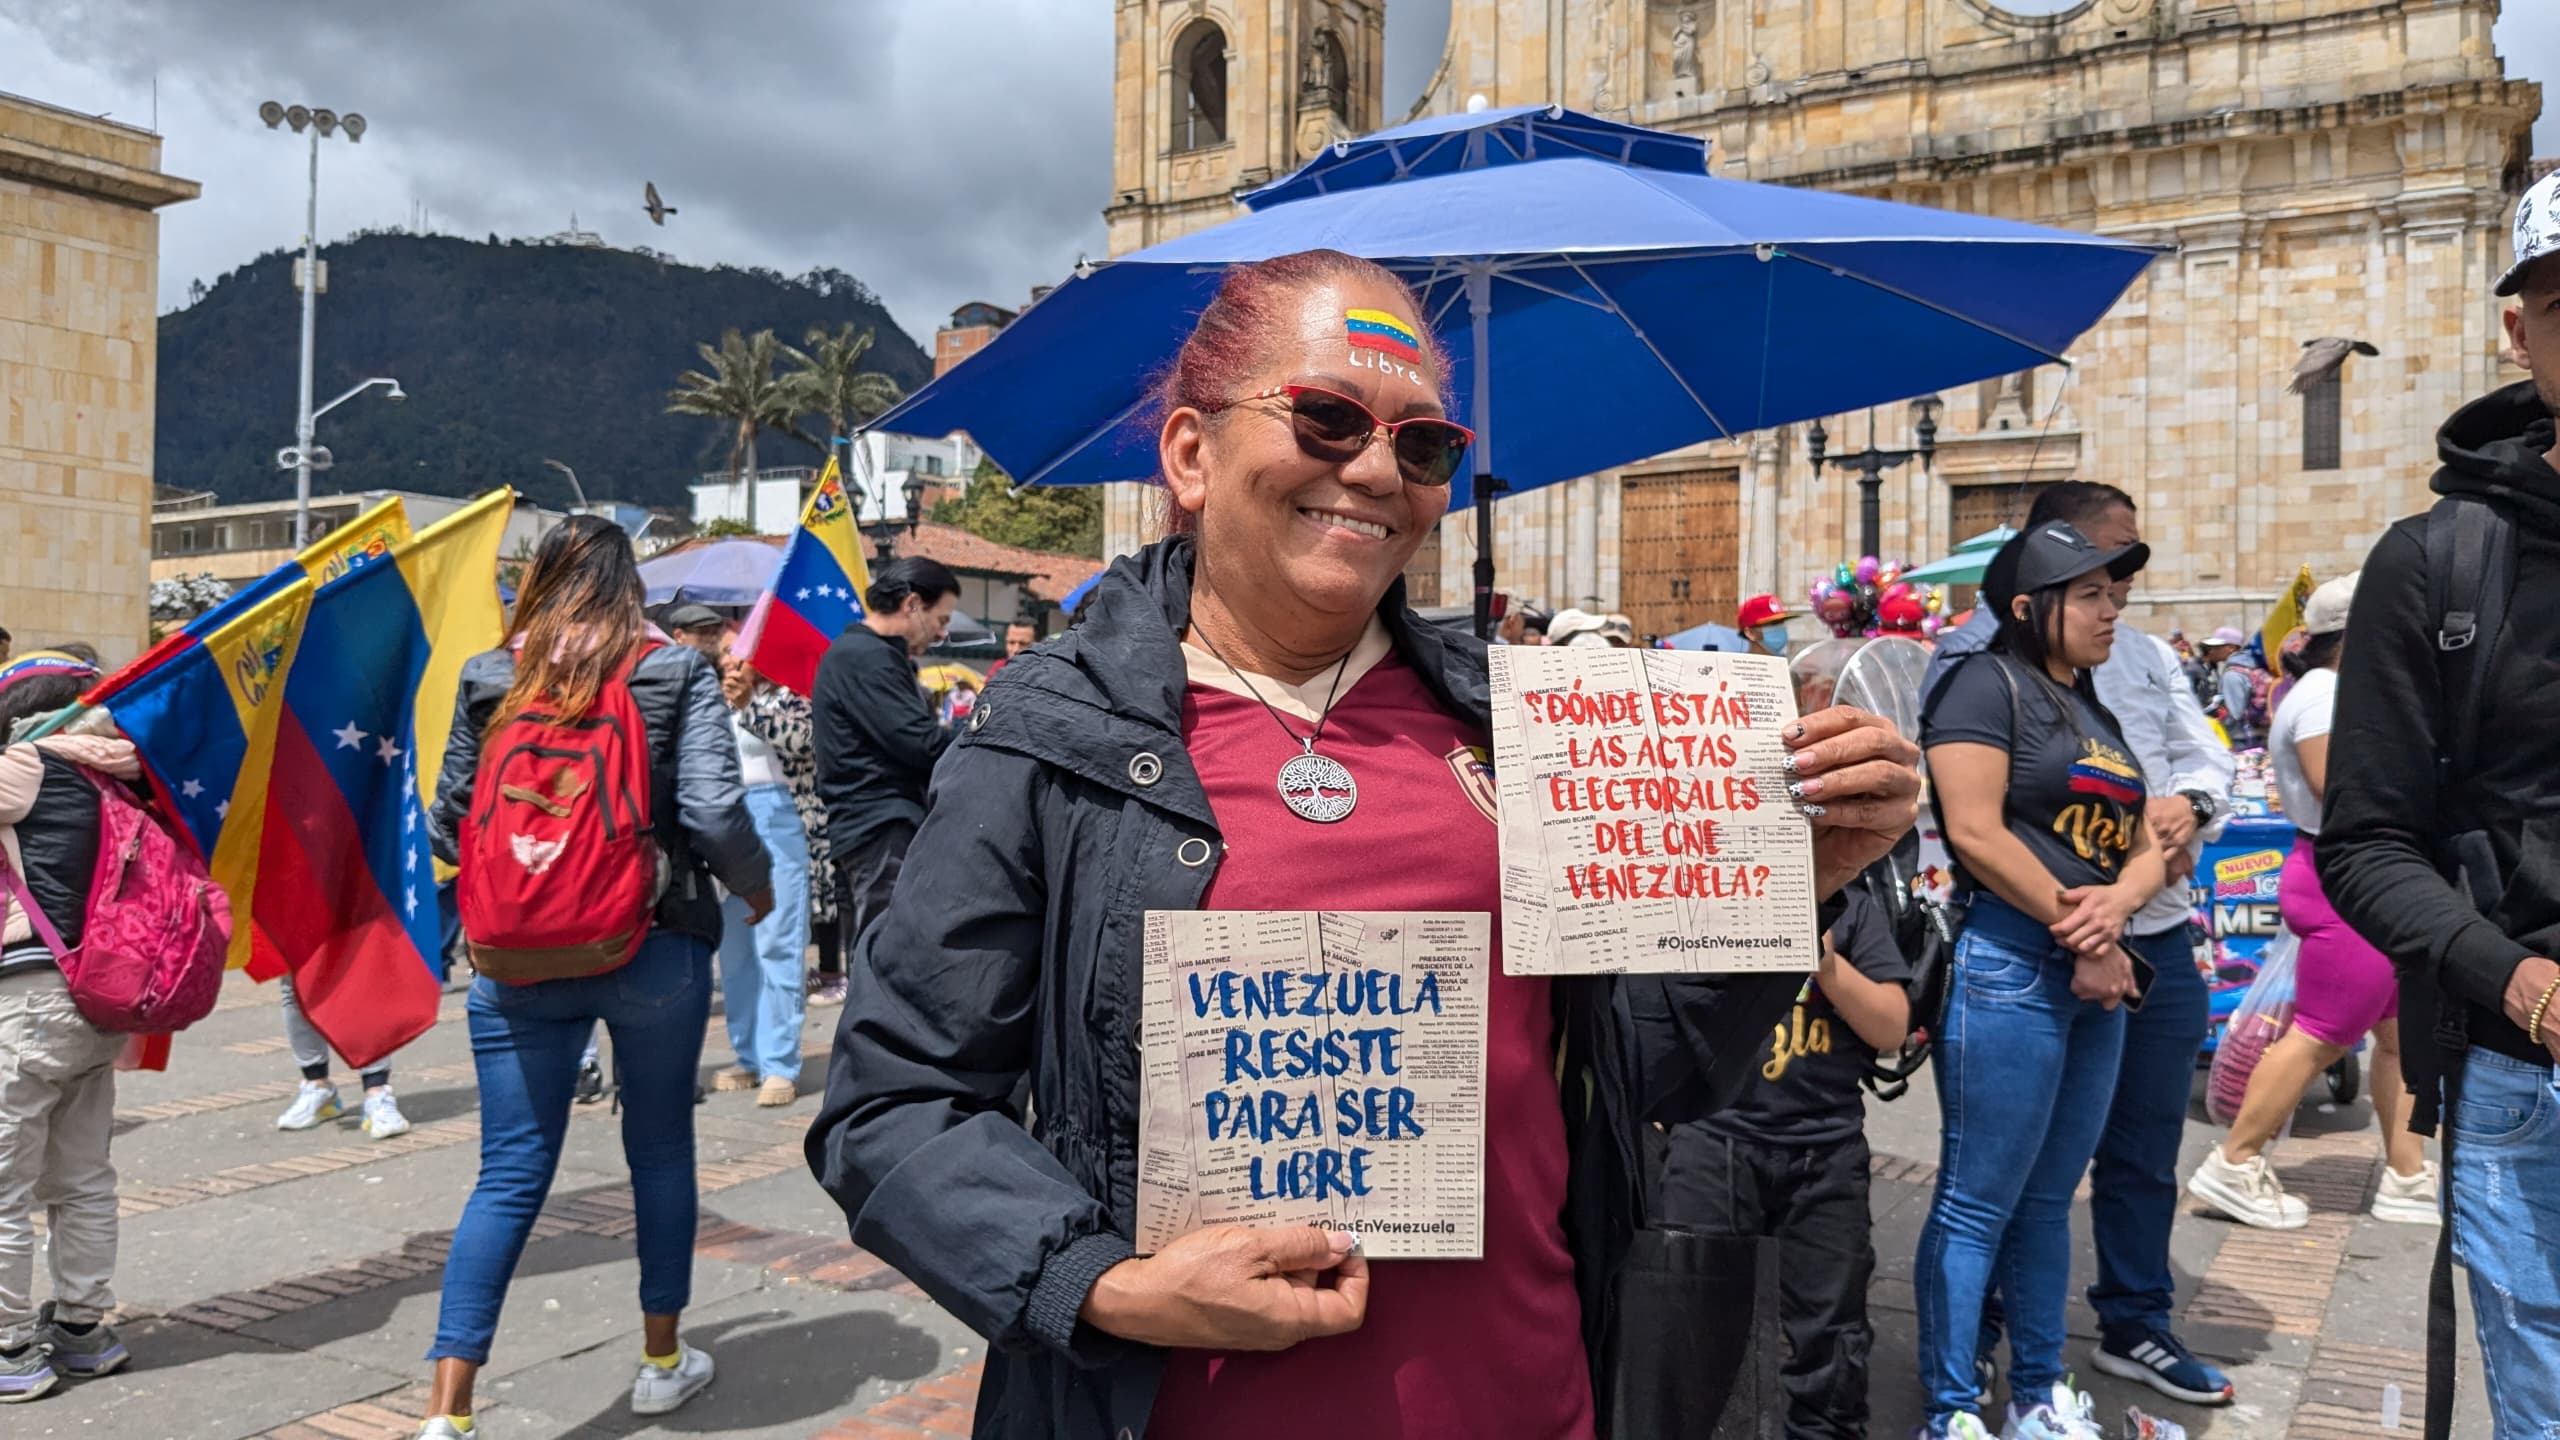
(1248, 717)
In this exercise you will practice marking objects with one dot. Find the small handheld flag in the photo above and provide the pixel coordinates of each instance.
(817, 591)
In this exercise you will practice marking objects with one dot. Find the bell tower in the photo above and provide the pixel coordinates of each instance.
(1214, 97)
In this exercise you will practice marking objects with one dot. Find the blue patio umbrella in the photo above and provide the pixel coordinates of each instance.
(724, 572)
(1709, 636)
(1076, 596)
(1601, 297)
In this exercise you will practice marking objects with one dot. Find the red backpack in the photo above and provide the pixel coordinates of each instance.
(157, 930)
(559, 868)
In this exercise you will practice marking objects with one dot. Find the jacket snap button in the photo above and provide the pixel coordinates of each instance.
(1193, 852)
(977, 716)
(1145, 768)
(1125, 1434)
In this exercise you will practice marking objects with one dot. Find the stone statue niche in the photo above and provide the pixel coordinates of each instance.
(1325, 82)
(1684, 54)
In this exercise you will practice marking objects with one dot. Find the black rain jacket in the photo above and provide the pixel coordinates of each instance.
(876, 737)
(1066, 812)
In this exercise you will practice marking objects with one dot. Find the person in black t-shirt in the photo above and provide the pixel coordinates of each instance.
(1789, 1160)
(2041, 802)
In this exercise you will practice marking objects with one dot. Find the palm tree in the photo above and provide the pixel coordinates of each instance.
(742, 389)
(828, 380)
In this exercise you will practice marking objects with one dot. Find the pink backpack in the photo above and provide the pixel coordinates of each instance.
(157, 931)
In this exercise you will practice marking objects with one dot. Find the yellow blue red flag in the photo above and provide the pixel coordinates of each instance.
(817, 590)
(344, 886)
(201, 708)
(2285, 617)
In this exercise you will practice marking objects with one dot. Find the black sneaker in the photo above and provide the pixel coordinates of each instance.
(2158, 1359)
(83, 1355)
(590, 1083)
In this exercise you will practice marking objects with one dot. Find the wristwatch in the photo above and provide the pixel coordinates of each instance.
(2205, 806)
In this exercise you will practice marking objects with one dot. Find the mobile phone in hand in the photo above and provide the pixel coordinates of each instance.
(2143, 974)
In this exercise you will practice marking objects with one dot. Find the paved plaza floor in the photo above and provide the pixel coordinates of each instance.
(285, 1285)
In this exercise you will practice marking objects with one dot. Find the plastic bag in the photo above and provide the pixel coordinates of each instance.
(2265, 1012)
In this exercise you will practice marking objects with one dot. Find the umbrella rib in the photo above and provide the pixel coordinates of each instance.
(1723, 431)
(1551, 290)
(1926, 304)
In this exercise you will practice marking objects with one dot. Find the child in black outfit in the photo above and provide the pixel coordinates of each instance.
(1789, 1160)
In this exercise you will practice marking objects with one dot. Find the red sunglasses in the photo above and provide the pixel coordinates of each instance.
(1334, 428)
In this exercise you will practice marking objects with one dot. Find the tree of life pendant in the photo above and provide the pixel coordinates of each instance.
(1317, 788)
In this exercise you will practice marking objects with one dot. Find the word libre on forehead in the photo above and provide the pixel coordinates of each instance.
(1381, 342)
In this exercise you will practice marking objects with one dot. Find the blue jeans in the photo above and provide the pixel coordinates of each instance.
(2133, 1186)
(2026, 1072)
(762, 990)
(525, 1041)
(2506, 1233)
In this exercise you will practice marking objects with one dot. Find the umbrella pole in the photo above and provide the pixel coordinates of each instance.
(1480, 414)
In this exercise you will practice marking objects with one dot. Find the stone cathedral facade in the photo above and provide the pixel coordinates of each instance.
(2323, 167)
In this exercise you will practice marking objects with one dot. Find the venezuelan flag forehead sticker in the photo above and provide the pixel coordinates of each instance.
(1378, 330)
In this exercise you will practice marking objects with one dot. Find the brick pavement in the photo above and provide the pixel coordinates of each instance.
(2274, 1301)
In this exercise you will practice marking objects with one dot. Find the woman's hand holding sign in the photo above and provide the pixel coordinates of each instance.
(1235, 1287)
(1859, 782)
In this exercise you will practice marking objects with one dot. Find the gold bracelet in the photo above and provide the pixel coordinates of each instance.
(2541, 1007)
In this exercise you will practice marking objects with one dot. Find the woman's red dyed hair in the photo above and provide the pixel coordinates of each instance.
(1249, 313)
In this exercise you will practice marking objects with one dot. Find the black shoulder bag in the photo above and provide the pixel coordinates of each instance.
(1927, 931)
(2470, 576)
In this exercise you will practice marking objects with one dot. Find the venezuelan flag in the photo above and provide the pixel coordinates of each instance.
(817, 592)
(1378, 330)
(2284, 617)
(344, 887)
(2108, 775)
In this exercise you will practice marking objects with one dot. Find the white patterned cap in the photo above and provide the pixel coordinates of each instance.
(2537, 230)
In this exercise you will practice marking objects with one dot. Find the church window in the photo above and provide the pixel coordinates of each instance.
(1200, 86)
(2320, 422)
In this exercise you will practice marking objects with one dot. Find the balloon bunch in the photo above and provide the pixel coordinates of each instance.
(1870, 597)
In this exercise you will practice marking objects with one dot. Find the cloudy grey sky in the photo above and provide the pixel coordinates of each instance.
(942, 150)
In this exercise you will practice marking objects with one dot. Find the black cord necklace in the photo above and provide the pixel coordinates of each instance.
(1314, 787)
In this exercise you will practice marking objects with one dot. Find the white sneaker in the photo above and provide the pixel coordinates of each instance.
(2069, 1415)
(2408, 1199)
(2250, 1194)
(439, 1428)
(382, 1117)
(315, 1102)
(655, 1391)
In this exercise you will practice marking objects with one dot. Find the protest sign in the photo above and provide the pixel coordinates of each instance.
(1316, 1068)
(1646, 825)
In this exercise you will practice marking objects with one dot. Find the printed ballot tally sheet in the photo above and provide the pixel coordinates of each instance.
(1316, 1068)
(1646, 824)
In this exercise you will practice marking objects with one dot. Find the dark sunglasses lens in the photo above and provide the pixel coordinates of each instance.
(1428, 450)
(1330, 427)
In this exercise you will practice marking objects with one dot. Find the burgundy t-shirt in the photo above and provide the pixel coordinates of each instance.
(1450, 1348)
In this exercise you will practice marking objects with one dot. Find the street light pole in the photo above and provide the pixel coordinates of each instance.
(318, 123)
(1871, 463)
(310, 300)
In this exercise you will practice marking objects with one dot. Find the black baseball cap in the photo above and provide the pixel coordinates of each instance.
(2049, 554)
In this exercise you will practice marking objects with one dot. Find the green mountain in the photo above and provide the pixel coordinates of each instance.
(511, 353)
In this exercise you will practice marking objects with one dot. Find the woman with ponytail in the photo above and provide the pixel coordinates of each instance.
(578, 632)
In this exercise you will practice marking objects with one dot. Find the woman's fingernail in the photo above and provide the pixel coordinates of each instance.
(1804, 789)
(1796, 731)
(1788, 763)
(1813, 812)
(1344, 1242)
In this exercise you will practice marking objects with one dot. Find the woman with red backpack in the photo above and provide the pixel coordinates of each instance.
(57, 1070)
(589, 798)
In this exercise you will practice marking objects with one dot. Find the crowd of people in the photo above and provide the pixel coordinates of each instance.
(974, 882)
